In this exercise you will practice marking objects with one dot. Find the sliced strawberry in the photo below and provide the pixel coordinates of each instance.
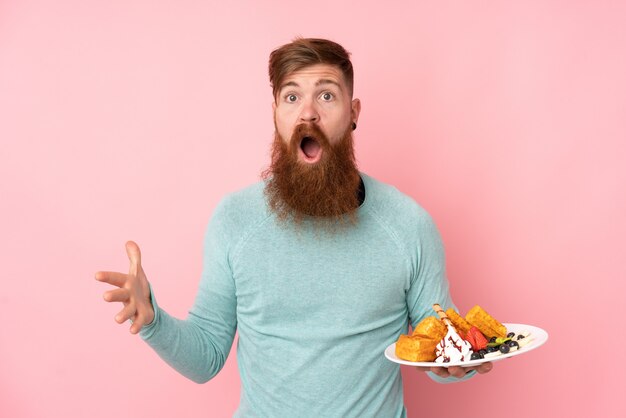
(469, 337)
(478, 340)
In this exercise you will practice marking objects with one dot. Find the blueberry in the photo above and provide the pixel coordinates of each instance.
(513, 344)
(476, 356)
(504, 348)
(483, 352)
(491, 349)
(492, 339)
(510, 335)
(519, 337)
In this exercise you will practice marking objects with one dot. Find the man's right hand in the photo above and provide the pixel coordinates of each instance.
(132, 290)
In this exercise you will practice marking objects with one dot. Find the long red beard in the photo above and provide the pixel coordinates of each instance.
(325, 191)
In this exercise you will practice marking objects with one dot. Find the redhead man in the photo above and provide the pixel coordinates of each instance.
(319, 266)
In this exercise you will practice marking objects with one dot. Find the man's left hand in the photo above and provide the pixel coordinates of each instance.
(457, 371)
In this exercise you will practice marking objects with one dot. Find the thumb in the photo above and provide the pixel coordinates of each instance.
(134, 254)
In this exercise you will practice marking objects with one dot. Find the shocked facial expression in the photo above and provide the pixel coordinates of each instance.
(318, 95)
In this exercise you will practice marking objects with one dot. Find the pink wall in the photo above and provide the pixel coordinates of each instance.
(129, 120)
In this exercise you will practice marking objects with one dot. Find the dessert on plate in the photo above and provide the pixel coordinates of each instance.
(452, 348)
(450, 338)
(421, 345)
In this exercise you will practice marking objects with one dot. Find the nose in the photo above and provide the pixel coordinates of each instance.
(309, 112)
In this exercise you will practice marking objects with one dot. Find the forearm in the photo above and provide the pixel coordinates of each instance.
(185, 345)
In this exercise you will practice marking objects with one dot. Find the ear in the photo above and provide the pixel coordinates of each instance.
(356, 109)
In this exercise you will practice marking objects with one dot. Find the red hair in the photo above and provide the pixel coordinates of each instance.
(304, 52)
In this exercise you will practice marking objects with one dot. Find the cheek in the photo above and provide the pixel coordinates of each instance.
(284, 124)
(339, 120)
(285, 132)
(337, 130)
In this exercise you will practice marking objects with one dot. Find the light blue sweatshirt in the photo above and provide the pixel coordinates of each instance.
(315, 311)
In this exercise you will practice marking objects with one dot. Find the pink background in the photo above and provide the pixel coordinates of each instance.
(131, 119)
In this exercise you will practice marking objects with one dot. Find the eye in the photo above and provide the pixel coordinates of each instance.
(327, 96)
(291, 98)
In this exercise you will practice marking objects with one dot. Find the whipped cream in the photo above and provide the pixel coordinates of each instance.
(453, 349)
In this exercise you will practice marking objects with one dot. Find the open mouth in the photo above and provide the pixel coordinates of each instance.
(311, 150)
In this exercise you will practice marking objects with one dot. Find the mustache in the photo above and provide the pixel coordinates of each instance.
(308, 130)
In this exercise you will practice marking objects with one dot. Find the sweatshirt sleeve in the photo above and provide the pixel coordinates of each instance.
(197, 347)
(429, 283)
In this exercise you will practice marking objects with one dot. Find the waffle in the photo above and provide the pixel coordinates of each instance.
(416, 348)
(460, 324)
(487, 324)
(432, 327)
(421, 345)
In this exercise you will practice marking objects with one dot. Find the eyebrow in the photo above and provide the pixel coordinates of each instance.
(319, 82)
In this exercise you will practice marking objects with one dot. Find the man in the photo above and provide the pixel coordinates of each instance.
(319, 267)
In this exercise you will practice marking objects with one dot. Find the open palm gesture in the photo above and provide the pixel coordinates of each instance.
(132, 290)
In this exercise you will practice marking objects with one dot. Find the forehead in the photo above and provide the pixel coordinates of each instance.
(314, 74)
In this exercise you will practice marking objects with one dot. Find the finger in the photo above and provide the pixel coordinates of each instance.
(440, 371)
(456, 371)
(138, 323)
(116, 295)
(484, 367)
(125, 314)
(134, 255)
(112, 277)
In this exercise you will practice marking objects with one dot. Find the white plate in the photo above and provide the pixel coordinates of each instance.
(539, 336)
